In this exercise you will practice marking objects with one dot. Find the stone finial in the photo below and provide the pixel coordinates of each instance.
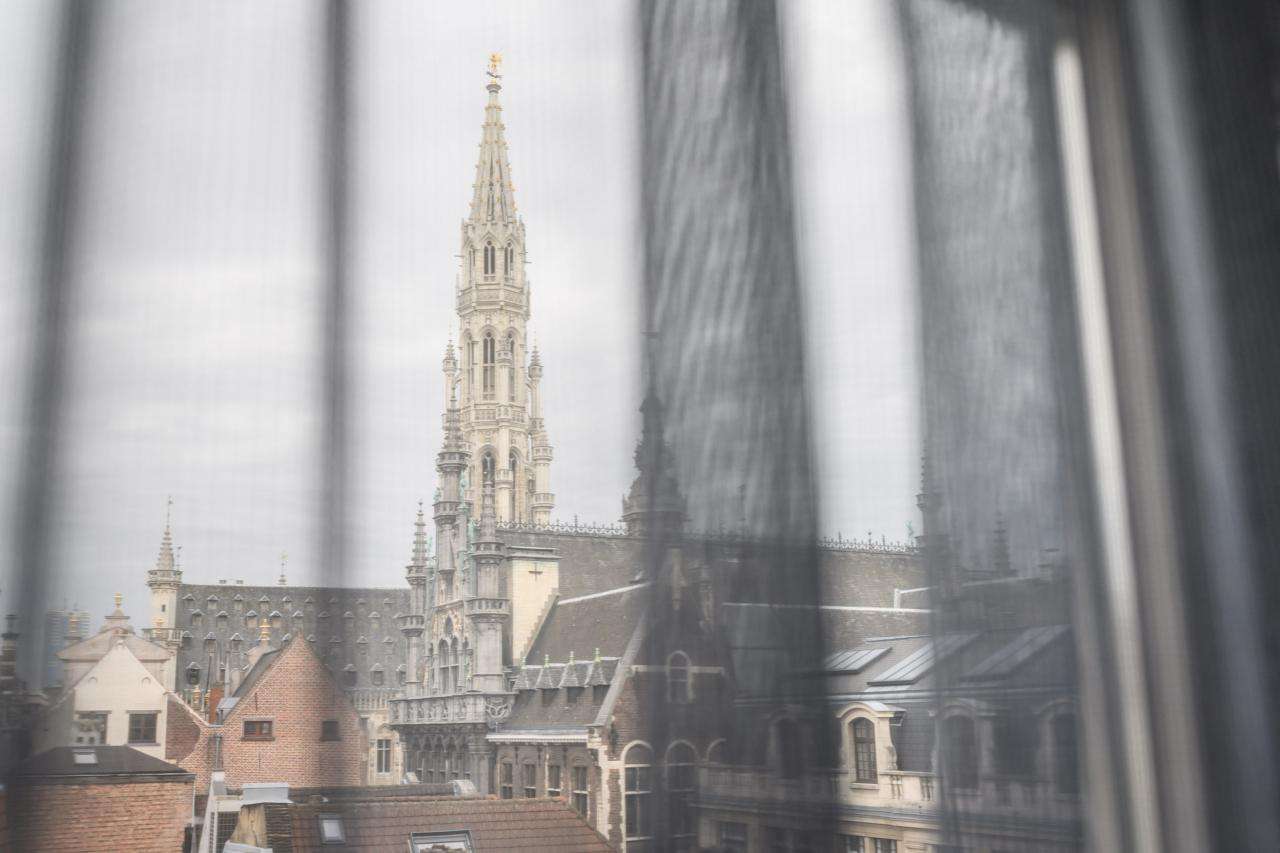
(119, 599)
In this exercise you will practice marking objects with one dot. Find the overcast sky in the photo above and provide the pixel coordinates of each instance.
(194, 333)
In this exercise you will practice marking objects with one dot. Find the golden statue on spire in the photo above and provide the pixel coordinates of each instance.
(495, 62)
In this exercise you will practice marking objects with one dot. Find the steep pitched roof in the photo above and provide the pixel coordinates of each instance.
(492, 825)
(603, 620)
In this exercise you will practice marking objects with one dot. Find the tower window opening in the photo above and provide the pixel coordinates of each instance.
(508, 260)
(490, 259)
(486, 468)
(488, 355)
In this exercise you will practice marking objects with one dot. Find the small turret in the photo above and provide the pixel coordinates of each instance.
(654, 503)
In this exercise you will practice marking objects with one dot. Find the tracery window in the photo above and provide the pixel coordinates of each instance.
(864, 750)
(489, 259)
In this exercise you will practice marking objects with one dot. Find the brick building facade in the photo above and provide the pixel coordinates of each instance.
(288, 721)
(102, 798)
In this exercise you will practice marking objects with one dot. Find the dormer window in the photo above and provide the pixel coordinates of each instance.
(864, 750)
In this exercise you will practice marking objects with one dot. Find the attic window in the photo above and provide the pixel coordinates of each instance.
(331, 829)
(84, 756)
(422, 842)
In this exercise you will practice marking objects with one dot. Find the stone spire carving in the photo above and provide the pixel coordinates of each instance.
(493, 196)
(489, 380)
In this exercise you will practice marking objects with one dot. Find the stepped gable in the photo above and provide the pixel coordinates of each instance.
(372, 615)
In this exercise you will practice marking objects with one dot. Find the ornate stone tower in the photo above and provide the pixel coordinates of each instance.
(164, 581)
(493, 381)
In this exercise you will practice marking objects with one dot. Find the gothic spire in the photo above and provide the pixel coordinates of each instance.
(654, 498)
(419, 559)
(165, 561)
(494, 194)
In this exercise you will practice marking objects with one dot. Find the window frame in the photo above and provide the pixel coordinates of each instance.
(154, 717)
(382, 755)
(583, 772)
(506, 780)
(529, 779)
(335, 820)
(865, 769)
(264, 730)
(679, 690)
(555, 780)
(637, 793)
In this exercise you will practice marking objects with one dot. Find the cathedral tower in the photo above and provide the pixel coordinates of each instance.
(493, 382)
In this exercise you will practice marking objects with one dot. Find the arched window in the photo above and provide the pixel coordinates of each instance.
(508, 259)
(681, 761)
(715, 753)
(488, 355)
(638, 788)
(960, 767)
(1065, 773)
(488, 259)
(790, 759)
(469, 355)
(486, 467)
(678, 678)
(864, 750)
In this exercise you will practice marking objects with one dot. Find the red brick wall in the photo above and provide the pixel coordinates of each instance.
(145, 817)
(182, 732)
(296, 694)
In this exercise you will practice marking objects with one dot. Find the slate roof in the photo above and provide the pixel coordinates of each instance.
(604, 622)
(99, 644)
(373, 826)
(587, 563)
(255, 673)
(371, 610)
(116, 761)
